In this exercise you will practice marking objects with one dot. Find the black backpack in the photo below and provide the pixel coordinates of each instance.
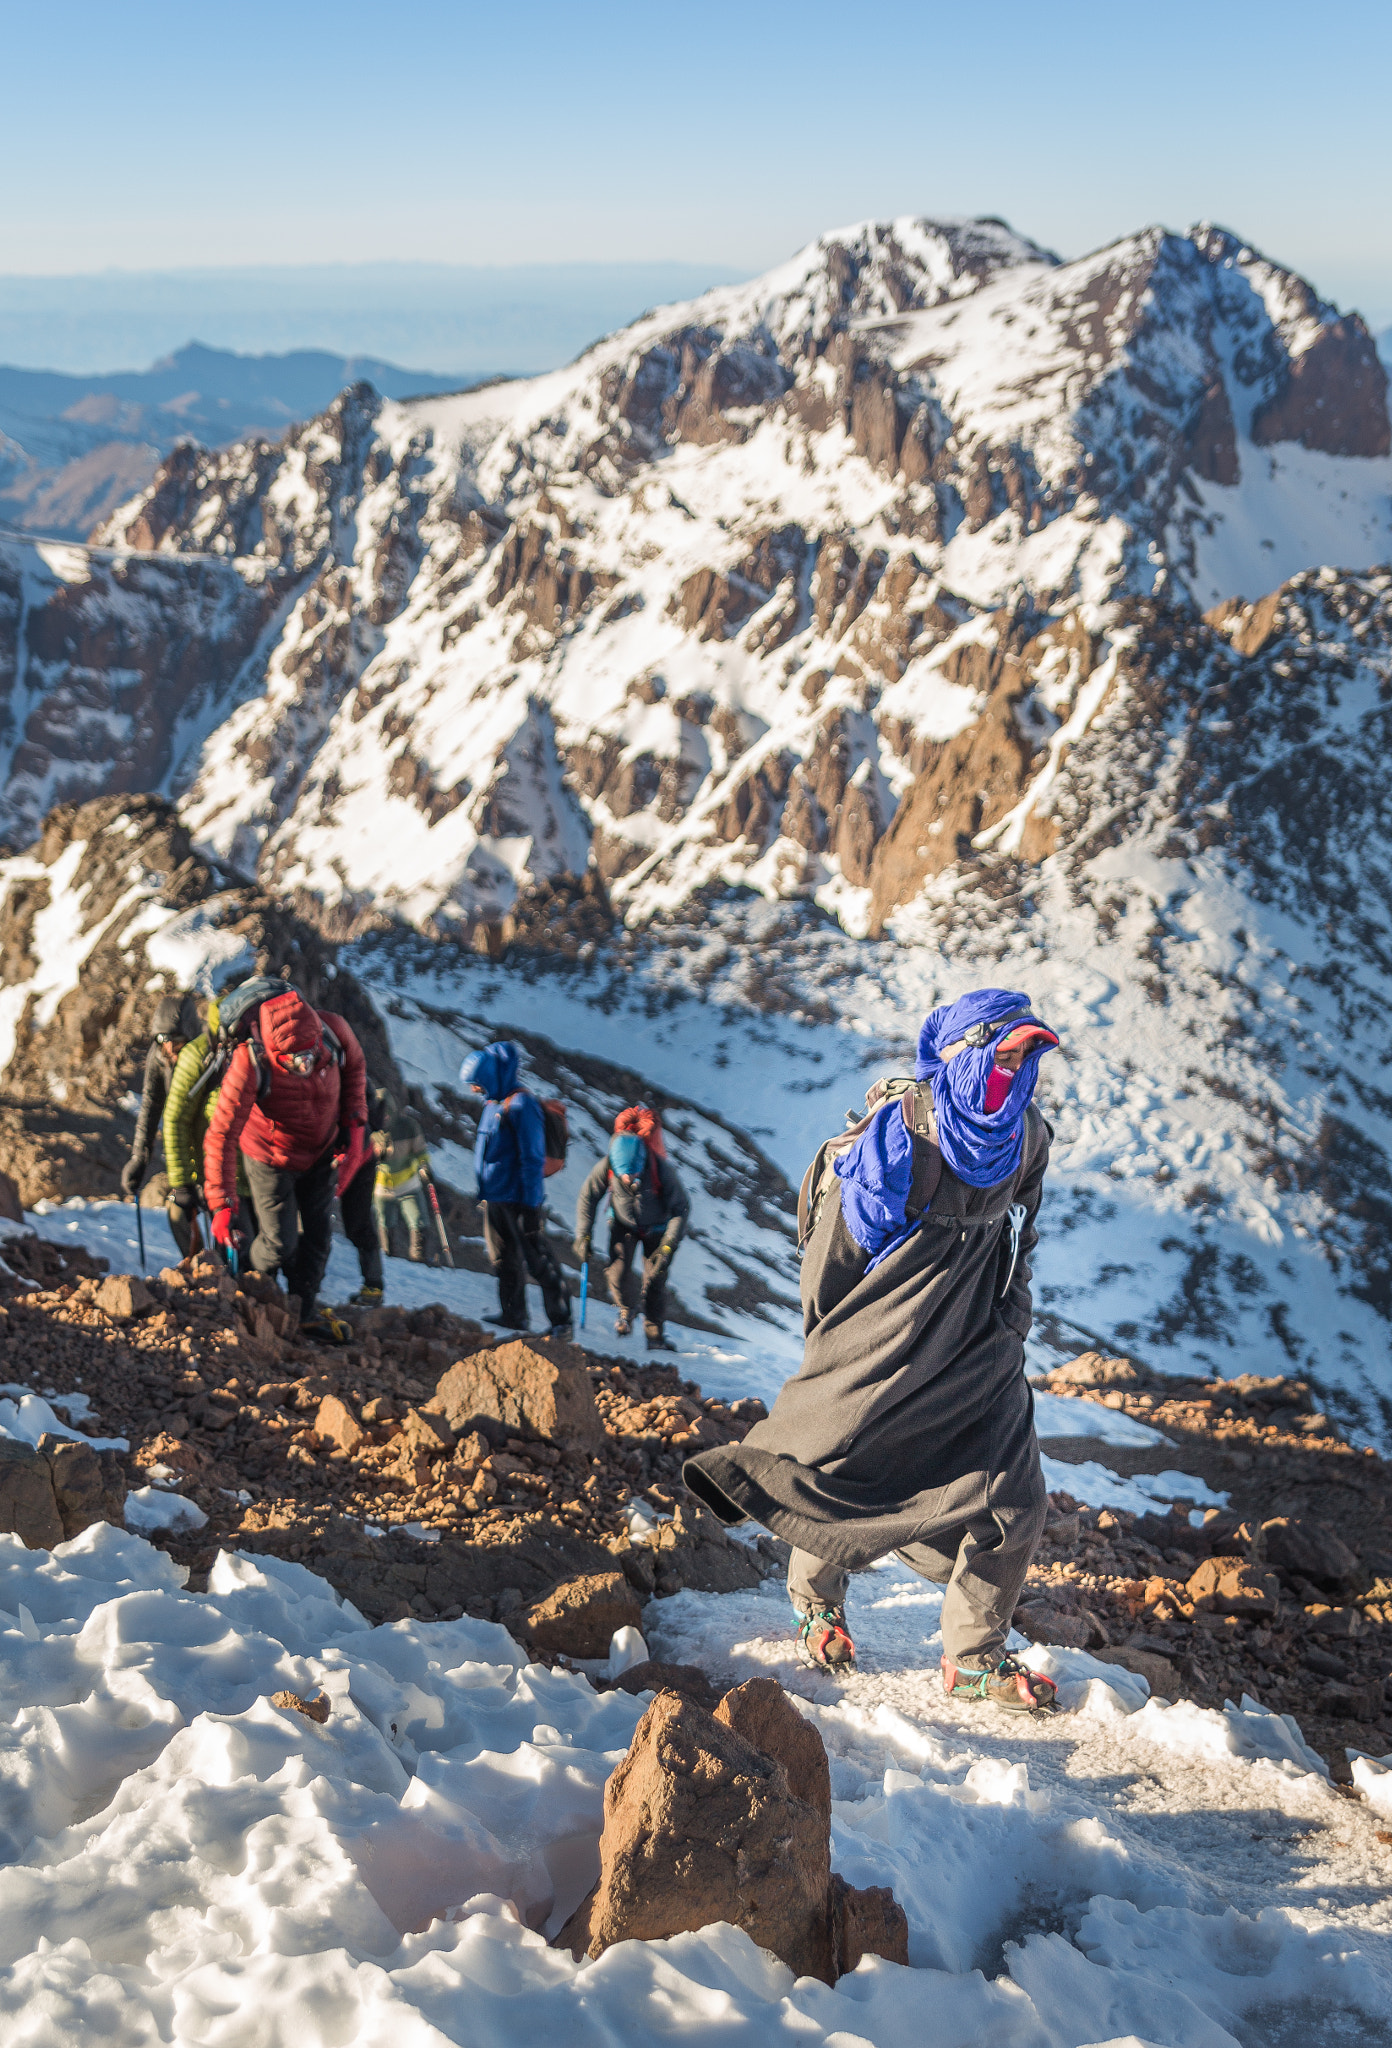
(916, 1098)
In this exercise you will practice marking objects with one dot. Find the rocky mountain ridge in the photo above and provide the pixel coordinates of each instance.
(707, 605)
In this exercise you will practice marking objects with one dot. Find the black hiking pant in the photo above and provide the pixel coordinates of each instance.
(653, 1296)
(294, 1217)
(513, 1253)
(359, 1224)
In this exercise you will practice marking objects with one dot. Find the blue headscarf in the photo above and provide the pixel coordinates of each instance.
(876, 1174)
(982, 1149)
(627, 1154)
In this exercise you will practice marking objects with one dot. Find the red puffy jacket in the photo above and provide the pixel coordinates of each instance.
(302, 1114)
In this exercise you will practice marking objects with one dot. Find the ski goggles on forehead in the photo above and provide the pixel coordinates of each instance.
(989, 1030)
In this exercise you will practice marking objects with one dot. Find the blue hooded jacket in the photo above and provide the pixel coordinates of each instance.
(510, 1148)
(982, 1148)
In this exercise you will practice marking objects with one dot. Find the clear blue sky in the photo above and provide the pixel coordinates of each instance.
(151, 135)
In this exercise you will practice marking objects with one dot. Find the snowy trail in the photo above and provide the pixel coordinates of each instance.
(1137, 1868)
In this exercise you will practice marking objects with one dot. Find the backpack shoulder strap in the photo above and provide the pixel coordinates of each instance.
(921, 1119)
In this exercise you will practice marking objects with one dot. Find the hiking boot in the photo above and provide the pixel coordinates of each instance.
(823, 1642)
(562, 1329)
(506, 1323)
(327, 1328)
(623, 1323)
(366, 1297)
(1004, 1681)
(657, 1338)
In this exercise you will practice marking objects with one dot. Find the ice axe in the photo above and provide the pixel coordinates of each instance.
(140, 1230)
(439, 1219)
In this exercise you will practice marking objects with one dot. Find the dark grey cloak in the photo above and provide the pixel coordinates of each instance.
(911, 1414)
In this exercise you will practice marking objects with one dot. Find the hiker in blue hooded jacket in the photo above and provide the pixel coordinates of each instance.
(910, 1426)
(648, 1207)
(510, 1162)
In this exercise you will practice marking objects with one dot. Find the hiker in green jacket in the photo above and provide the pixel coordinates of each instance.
(188, 1111)
(175, 1022)
(402, 1160)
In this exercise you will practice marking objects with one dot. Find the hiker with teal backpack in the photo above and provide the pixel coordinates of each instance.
(648, 1208)
(520, 1141)
(910, 1428)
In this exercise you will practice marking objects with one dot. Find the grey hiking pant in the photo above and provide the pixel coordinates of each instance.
(984, 1575)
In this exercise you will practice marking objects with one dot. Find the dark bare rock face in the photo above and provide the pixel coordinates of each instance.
(50, 1494)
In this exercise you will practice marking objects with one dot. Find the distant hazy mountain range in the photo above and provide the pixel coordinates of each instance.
(73, 447)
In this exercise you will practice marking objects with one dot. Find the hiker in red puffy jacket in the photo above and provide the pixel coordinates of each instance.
(306, 1134)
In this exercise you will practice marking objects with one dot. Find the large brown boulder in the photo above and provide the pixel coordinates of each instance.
(700, 1827)
(578, 1617)
(11, 1208)
(528, 1391)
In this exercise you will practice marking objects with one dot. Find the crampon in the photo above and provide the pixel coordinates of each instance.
(1005, 1683)
(824, 1643)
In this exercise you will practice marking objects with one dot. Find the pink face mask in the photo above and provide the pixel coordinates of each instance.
(998, 1084)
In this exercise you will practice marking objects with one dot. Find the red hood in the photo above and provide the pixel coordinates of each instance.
(288, 1025)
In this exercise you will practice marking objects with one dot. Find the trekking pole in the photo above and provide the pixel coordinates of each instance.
(584, 1288)
(439, 1219)
(140, 1230)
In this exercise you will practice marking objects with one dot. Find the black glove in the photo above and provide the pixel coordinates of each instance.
(132, 1173)
(180, 1198)
(581, 1249)
(534, 1220)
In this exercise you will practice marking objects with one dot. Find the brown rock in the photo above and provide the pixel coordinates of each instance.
(1306, 1547)
(337, 1425)
(316, 1709)
(11, 1208)
(762, 1713)
(27, 1506)
(529, 1392)
(700, 1827)
(1157, 1671)
(653, 1676)
(426, 1435)
(123, 1295)
(868, 1922)
(1334, 1621)
(78, 1481)
(1229, 1585)
(693, 1550)
(578, 1617)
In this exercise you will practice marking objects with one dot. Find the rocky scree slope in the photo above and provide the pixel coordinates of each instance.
(708, 604)
(422, 1468)
(427, 1470)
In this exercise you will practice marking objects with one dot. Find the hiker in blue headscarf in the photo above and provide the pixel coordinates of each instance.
(510, 1165)
(910, 1426)
(648, 1208)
